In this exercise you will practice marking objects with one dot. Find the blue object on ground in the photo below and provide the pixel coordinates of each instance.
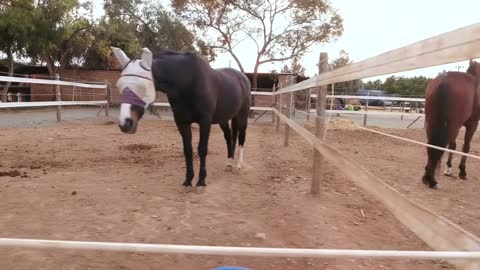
(231, 268)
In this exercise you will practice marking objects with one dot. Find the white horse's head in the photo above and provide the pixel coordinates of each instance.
(136, 88)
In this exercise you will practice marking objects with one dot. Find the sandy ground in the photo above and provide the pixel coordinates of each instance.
(84, 180)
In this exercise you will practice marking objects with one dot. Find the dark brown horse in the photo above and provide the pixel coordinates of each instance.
(451, 101)
(196, 92)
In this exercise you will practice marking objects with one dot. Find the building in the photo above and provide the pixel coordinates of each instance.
(266, 82)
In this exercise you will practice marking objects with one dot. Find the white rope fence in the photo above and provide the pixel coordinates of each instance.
(391, 136)
(58, 83)
(52, 82)
(240, 251)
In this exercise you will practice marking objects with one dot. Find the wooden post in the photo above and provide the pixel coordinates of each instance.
(366, 110)
(279, 108)
(308, 105)
(289, 115)
(274, 103)
(319, 125)
(402, 110)
(109, 97)
(58, 98)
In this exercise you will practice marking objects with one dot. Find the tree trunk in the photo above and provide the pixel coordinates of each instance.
(51, 72)
(238, 61)
(10, 74)
(254, 87)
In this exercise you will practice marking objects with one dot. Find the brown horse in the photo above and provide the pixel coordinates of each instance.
(451, 101)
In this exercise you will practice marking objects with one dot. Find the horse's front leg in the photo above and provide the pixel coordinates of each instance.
(205, 126)
(186, 132)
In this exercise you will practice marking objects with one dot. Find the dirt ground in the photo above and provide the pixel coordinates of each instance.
(401, 164)
(87, 181)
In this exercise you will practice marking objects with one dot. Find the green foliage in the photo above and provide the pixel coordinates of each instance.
(347, 87)
(414, 86)
(295, 68)
(15, 27)
(280, 29)
(373, 85)
(133, 24)
(61, 35)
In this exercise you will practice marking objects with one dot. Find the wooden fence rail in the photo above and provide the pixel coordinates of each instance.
(438, 232)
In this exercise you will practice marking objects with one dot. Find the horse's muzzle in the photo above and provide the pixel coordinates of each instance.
(129, 126)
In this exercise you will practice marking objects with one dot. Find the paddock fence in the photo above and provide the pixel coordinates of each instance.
(451, 241)
(458, 45)
(56, 93)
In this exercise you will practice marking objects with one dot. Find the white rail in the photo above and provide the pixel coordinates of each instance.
(52, 82)
(376, 98)
(49, 103)
(240, 251)
(458, 45)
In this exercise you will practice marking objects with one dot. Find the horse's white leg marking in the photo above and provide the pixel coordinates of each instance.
(448, 171)
(124, 113)
(229, 164)
(200, 190)
(240, 158)
(187, 189)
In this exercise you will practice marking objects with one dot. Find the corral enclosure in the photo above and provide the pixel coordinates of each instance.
(44, 92)
(86, 181)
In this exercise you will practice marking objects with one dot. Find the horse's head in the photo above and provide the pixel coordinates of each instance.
(136, 87)
(474, 68)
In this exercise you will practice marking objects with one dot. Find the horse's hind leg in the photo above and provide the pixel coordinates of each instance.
(186, 132)
(470, 130)
(242, 133)
(451, 146)
(227, 134)
(434, 157)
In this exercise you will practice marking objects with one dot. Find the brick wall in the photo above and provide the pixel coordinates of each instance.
(47, 92)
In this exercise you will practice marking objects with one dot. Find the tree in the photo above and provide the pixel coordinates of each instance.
(401, 86)
(133, 24)
(375, 85)
(111, 33)
(62, 33)
(280, 29)
(14, 32)
(344, 87)
(295, 68)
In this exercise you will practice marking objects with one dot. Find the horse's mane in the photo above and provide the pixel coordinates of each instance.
(171, 52)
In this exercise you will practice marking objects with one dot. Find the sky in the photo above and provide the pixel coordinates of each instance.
(372, 27)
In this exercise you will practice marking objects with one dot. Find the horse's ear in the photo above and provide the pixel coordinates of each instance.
(121, 56)
(471, 62)
(147, 58)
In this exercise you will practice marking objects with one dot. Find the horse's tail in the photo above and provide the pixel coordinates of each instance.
(439, 127)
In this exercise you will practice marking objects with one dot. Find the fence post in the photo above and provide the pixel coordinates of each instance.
(274, 103)
(366, 110)
(319, 125)
(287, 127)
(308, 104)
(109, 96)
(58, 98)
(279, 108)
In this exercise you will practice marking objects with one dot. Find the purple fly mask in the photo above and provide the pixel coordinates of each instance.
(129, 97)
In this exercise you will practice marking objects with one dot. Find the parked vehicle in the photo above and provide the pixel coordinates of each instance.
(372, 102)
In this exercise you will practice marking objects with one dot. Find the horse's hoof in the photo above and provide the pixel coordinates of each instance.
(448, 172)
(229, 165)
(435, 186)
(187, 189)
(463, 176)
(425, 181)
(200, 189)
